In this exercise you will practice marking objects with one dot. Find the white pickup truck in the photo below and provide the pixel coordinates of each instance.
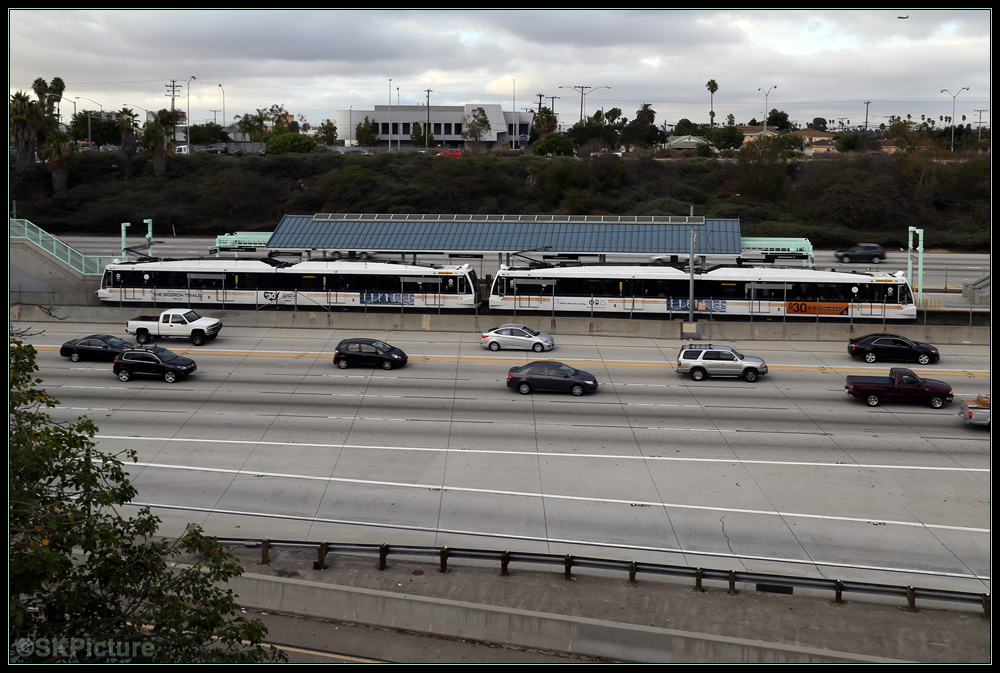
(174, 322)
(977, 411)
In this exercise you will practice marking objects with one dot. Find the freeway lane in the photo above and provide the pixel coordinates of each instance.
(269, 439)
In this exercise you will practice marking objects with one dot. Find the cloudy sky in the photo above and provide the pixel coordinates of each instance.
(822, 63)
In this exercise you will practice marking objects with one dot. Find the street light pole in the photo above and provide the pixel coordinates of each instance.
(765, 107)
(953, 97)
(192, 77)
(88, 116)
(583, 92)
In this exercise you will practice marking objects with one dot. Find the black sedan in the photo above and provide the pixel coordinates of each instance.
(103, 347)
(372, 352)
(550, 377)
(875, 347)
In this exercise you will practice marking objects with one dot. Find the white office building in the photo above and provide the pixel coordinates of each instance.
(446, 122)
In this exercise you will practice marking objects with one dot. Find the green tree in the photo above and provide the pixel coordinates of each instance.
(712, 87)
(819, 124)
(326, 134)
(762, 167)
(555, 144)
(778, 120)
(420, 135)
(80, 570)
(284, 141)
(725, 137)
(366, 133)
(645, 115)
(206, 134)
(475, 128)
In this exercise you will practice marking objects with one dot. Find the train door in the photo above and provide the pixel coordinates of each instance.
(528, 292)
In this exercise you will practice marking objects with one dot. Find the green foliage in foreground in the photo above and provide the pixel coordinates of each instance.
(89, 583)
(842, 198)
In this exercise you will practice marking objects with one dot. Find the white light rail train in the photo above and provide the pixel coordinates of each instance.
(306, 285)
(738, 291)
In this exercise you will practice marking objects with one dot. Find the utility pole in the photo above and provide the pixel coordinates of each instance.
(172, 95)
(427, 129)
(583, 92)
(980, 123)
(867, 103)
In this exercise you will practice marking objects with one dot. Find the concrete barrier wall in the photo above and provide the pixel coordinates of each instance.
(605, 327)
(521, 628)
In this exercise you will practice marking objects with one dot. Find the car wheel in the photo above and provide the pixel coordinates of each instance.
(524, 389)
(577, 390)
(170, 377)
(870, 356)
(936, 401)
(123, 375)
(494, 346)
(698, 374)
(876, 260)
(750, 375)
(924, 359)
(845, 259)
(74, 357)
(342, 364)
(198, 339)
(873, 400)
(142, 337)
(538, 348)
(387, 365)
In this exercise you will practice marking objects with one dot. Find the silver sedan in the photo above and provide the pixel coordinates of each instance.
(517, 336)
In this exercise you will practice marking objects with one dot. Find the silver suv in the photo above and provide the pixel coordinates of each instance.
(701, 360)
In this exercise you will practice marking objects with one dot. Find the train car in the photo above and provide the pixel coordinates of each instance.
(745, 291)
(262, 283)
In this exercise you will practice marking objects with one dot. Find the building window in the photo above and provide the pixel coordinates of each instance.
(458, 129)
(447, 129)
(395, 128)
(385, 128)
(406, 128)
(437, 128)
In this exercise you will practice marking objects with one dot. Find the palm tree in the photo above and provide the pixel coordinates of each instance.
(58, 151)
(56, 89)
(126, 123)
(645, 115)
(26, 119)
(712, 87)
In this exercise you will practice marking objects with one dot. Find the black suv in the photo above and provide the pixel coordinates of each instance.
(153, 361)
(352, 352)
(871, 252)
(875, 347)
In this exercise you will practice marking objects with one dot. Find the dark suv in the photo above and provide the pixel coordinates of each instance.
(870, 252)
(353, 352)
(152, 361)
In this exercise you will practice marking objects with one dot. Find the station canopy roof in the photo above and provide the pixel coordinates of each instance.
(477, 234)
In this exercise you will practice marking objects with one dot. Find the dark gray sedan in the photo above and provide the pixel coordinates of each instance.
(550, 377)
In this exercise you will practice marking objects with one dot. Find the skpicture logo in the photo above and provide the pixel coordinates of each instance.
(83, 649)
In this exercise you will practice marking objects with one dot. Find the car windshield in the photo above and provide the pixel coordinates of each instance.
(530, 331)
(165, 355)
(566, 370)
(382, 346)
(191, 316)
(114, 342)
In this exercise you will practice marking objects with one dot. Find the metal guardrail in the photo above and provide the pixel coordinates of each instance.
(85, 264)
(698, 575)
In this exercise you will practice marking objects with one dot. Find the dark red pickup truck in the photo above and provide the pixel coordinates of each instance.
(900, 385)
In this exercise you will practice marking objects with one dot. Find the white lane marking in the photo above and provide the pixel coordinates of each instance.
(549, 454)
(552, 496)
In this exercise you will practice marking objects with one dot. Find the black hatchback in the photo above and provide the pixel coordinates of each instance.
(875, 347)
(371, 352)
(550, 377)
